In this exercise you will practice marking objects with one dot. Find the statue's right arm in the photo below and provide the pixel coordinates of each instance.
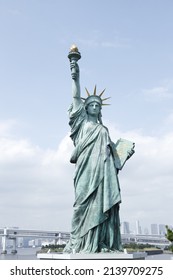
(75, 85)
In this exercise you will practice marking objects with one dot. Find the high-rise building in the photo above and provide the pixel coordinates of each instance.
(125, 228)
(154, 229)
(146, 231)
(162, 229)
(138, 228)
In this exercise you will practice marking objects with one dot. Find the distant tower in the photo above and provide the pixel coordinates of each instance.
(138, 228)
(125, 228)
(162, 229)
(146, 231)
(154, 229)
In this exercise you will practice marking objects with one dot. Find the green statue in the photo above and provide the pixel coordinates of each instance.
(95, 221)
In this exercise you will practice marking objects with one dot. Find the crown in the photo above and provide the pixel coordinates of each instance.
(94, 97)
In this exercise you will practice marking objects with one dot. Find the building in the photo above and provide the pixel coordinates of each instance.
(162, 229)
(154, 229)
(138, 228)
(146, 231)
(125, 228)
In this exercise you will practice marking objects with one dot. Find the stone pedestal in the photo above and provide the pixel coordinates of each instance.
(99, 256)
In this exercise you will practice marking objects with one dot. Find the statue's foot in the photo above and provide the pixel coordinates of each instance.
(105, 250)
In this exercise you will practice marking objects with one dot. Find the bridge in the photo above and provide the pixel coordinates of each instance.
(14, 233)
(61, 236)
(154, 239)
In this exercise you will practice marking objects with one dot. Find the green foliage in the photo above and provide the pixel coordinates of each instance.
(170, 248)
(136, 246)
(169, 234)
(52, 248)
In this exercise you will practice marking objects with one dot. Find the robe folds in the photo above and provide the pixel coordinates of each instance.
(95, 221)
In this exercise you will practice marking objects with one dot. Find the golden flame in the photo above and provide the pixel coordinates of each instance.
(74, 48)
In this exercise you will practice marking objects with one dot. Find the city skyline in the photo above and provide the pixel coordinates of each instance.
(127, 227)
(137, 228)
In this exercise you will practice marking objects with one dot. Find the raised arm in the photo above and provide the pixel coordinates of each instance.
(74, 55)
(75, 85)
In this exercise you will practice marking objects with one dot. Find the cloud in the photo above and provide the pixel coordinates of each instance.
(116, 43)
(6, 126)
(161, 92)
(146, 180)
(98, 41)
(36, 185)
(169, 120)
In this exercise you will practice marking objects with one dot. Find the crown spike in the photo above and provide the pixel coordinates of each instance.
(95, 90)
(87, 92)
(106, 98)
(95, 97)
(102, 93)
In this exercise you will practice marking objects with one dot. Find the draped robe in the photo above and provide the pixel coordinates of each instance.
(95, 221)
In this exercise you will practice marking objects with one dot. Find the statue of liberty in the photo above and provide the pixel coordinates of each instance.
(95, 223)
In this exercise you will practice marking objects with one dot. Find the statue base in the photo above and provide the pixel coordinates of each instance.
(94, 256)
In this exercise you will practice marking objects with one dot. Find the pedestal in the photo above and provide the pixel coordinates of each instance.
(96, 256)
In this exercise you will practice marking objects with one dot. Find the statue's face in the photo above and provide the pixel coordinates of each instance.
(93, 109)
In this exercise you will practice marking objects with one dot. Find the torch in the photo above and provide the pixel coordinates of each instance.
(74, 55)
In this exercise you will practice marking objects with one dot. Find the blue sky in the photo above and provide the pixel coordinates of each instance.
(126, 47)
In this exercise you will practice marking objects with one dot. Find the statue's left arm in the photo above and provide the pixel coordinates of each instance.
(122, 150)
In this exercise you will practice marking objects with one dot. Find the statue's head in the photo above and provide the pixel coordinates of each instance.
(93, 108)
(93, 104)
(94, 98)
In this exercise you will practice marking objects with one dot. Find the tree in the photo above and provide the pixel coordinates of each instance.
(169, 236)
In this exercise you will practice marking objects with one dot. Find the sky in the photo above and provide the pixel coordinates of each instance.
(126, 47)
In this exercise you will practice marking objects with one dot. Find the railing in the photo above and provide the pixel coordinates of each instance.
(14, 233)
